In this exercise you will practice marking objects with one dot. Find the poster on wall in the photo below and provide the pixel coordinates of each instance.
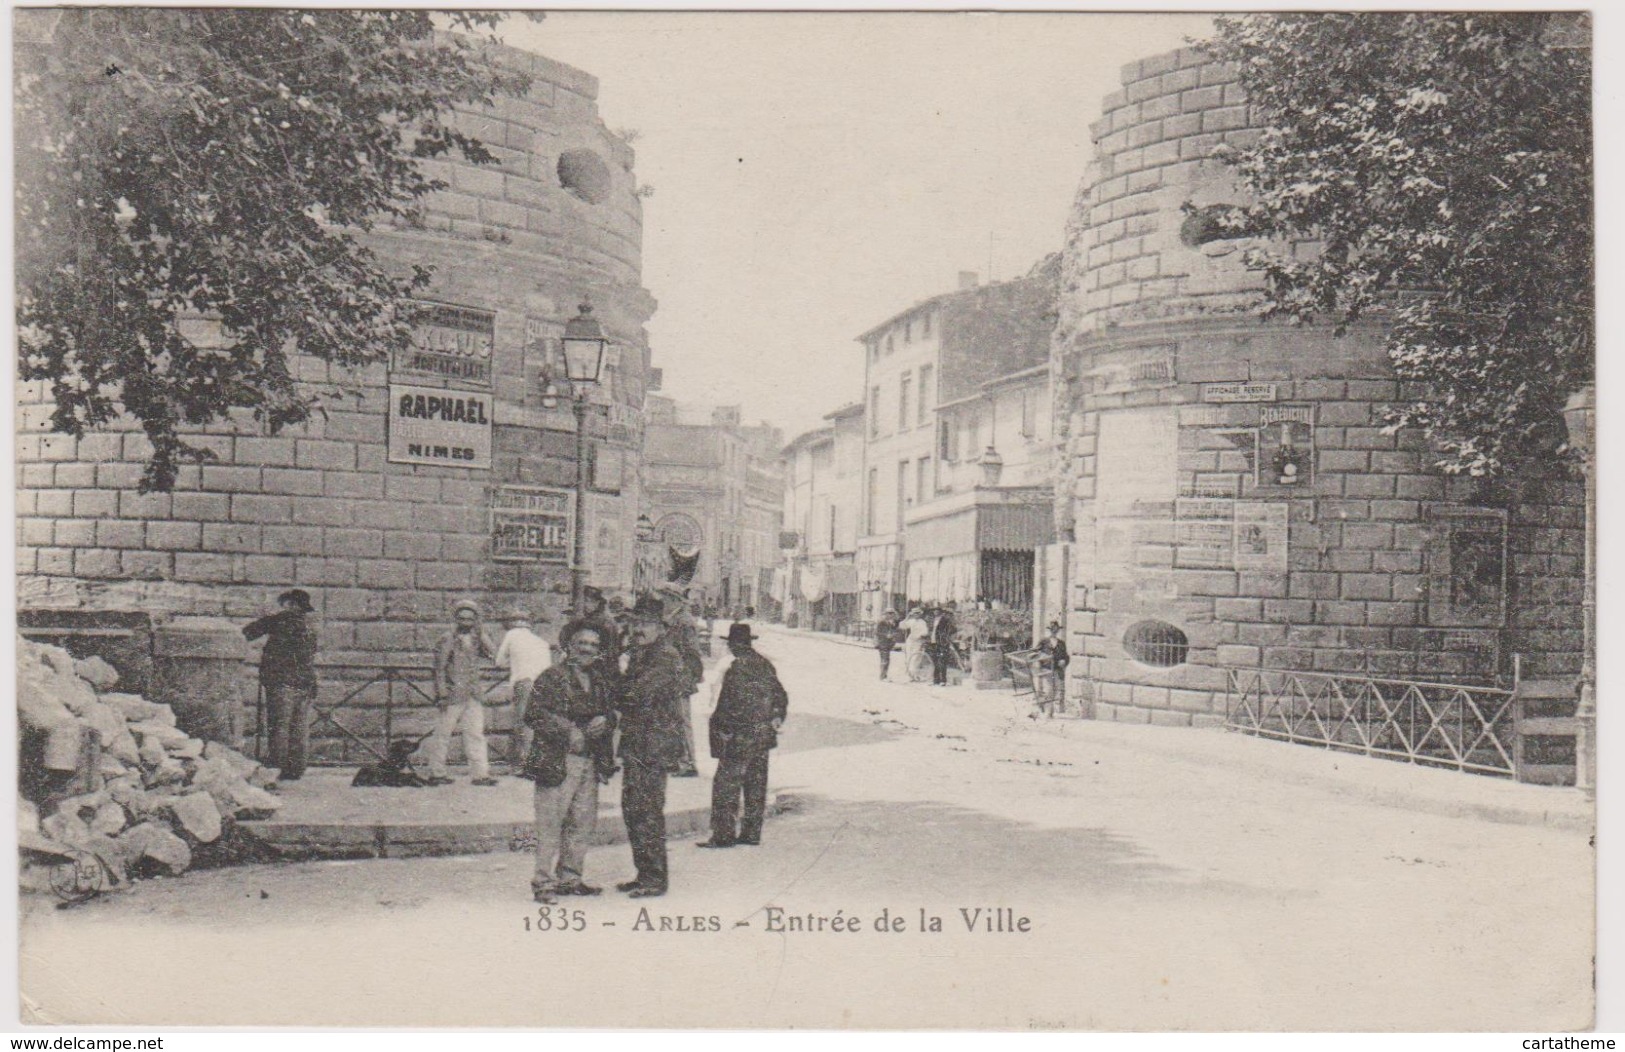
(1261, 536)
(433, 425)
(453, 344)
(532, 524)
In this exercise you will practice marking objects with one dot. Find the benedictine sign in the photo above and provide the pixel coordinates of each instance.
(433, 425)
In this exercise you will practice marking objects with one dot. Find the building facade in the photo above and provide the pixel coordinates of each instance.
(431, 477)
(712, 495)
(956, 489)
(1232, 494)
(817, 582)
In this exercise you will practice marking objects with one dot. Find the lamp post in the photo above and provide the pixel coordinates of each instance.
(584, 347)
(1579, 414)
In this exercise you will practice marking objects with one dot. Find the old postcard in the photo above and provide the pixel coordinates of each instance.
(863, 521)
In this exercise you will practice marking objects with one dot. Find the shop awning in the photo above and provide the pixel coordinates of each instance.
(1012, 527)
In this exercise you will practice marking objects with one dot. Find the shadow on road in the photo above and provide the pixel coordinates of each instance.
(946, 849)
(805, 731)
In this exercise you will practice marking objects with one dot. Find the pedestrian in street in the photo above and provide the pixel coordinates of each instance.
(941, 643)
(916, 629)
(886, 634)
(1053, 657)
(572, 717)
(459, 659)
(751, 707)
(684, 634)
(525, 655)
(654, 694)
(288, 680)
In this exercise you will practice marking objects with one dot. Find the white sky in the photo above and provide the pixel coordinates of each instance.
(816, 173)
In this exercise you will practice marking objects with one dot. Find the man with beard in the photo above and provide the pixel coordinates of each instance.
(654, 692)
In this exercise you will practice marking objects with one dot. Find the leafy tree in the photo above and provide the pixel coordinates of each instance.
(1443, 163)
(176, 163)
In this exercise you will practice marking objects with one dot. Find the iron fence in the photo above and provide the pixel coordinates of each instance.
(372, 699)
(1467, 728)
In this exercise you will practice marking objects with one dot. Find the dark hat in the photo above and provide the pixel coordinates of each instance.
(648, 608)
(592, 592)
(1055, 624)
(740, 633)
(299, 597)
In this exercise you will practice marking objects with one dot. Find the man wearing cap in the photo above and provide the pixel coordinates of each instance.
(654, 692)
(744, 728)
(459, 658)
(288, 679)
(525, 655)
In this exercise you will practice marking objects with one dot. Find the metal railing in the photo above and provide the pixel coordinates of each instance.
(383, 690)
(1467, 728)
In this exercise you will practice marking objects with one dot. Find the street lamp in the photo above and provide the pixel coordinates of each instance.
(584, 349)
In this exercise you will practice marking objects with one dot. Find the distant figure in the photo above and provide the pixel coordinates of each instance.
(745, 728)
(941, 644)
(1053, 656)
(288, 678)
(393, 772)
(886, 635)
(525, 655)
(916, 629)
(459, 658)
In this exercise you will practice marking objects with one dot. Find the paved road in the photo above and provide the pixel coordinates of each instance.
(1167, 880)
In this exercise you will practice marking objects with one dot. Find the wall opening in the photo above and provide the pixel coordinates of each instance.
(1156, 643)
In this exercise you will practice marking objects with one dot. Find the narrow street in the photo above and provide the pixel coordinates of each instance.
(1165, 879)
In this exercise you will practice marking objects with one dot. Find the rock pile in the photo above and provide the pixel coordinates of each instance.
(115, 778)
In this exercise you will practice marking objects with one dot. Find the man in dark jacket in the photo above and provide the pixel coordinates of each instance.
(886, 640)
(1055, 659)
(744, 728)
(572, 716)
(654, 694)
(288, 678)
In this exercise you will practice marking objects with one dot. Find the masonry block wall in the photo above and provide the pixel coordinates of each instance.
(1234, 497)
(385, 548)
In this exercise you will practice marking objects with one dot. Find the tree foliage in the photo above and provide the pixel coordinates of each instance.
(176, 164)
(1443, 163)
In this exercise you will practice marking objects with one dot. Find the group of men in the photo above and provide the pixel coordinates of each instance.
(620, 671)
(927, 635)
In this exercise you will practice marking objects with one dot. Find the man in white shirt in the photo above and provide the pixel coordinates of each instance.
(525, 655)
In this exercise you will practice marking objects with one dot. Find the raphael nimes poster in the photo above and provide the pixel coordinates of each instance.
(837, 520)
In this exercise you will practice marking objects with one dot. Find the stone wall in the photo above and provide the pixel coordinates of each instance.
(1180, 416)
(385, 548)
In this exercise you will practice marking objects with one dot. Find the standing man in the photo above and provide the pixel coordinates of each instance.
(886, 640)
(745, 727)
(654, 692)
(288, 678)
(1052, 653)
(459, 658)
(684, 634)
(573, 718)
(941, 646)
(525, 655)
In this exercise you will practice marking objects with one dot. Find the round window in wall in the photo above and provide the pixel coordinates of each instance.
(1156, 643)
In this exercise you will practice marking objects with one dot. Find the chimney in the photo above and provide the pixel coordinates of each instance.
(968, 279)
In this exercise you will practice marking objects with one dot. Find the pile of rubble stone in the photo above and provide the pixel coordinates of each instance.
(139, 793)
